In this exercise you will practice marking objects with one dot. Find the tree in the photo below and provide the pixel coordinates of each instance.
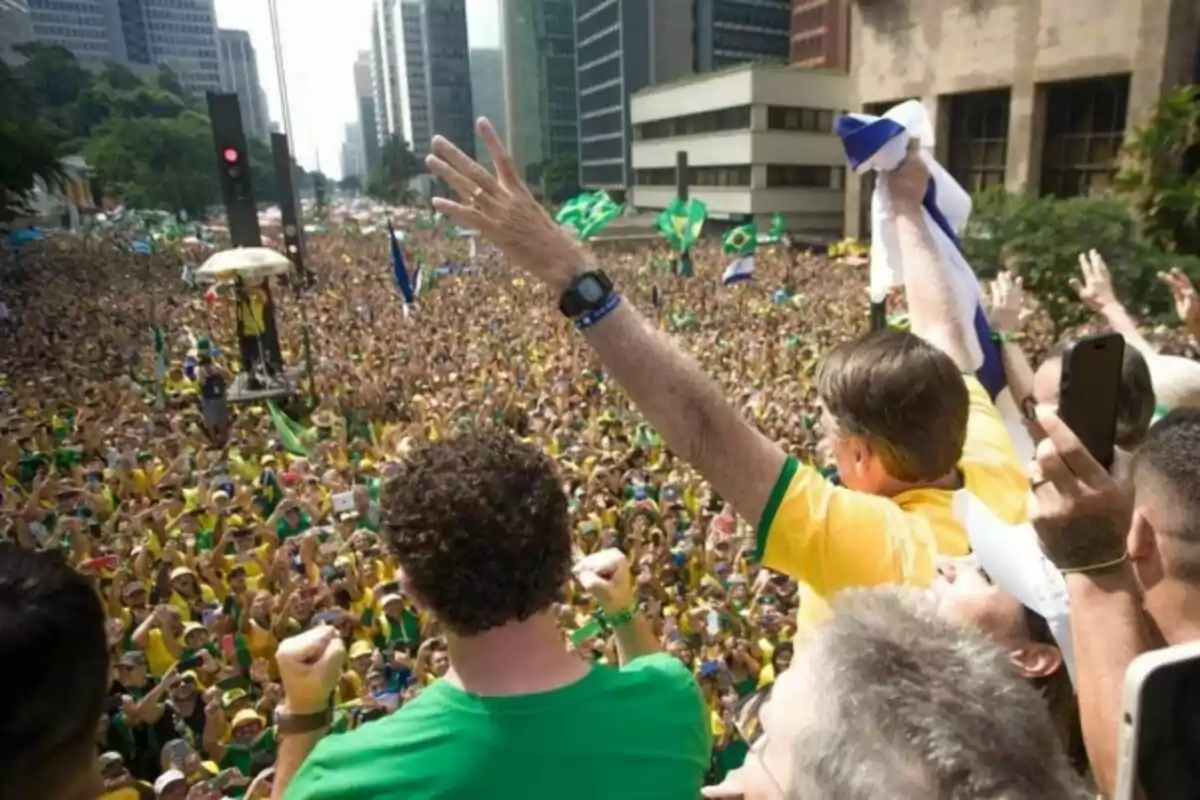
(1161, 172)
(157, 163)
(1042, 237)
(29, 148)
(560, 179)
(351, 184)
(262, 172)
(397, 166)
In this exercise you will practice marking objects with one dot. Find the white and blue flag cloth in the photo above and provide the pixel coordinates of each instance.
(881, 144)
(1010, 553)
(740, 270)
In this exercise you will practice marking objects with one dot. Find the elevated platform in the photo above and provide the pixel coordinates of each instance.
(279, 387)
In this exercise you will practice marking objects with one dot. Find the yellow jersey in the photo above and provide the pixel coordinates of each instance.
(831, 538)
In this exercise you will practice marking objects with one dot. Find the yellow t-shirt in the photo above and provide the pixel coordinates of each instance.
(252, 566)
(832, 538)
(207, 595)
(158, 657)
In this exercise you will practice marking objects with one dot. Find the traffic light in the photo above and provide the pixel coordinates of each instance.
(233, 169)
(236, 169)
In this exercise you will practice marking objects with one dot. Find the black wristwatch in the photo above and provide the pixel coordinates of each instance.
(587, 292)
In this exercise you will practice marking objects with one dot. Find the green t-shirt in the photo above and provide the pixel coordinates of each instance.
(285, 530)
(637, 732)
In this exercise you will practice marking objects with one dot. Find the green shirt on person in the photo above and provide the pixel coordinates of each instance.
(286, 530)
(636, 732)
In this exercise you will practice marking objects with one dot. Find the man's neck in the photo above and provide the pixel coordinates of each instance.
(516, 658)
(1182, 624)
(950, 482)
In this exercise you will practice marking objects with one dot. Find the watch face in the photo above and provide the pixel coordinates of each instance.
(590, 290)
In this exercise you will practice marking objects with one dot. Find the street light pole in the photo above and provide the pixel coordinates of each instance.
(285, 106)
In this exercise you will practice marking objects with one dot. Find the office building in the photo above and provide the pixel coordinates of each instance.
(91, 29)
(180, 34)
(730, 32)
(412, 44)
(622, 46)
(421, 71)
(447, 74)
(385, 100)
(759, 139)
(240, 73)
(540, 98)
(820, 34)
(1062, 88)
(16, 27)
(367, 120)
(354, 160)
(487, 94)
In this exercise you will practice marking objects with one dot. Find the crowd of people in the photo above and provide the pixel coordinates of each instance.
(492, 504)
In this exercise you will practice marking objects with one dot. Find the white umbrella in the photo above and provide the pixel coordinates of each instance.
(248, 263)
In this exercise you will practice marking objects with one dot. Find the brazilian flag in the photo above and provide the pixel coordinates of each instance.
(741, 241)
(682, 222)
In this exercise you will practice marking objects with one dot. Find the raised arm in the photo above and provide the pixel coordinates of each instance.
(668, 387)
(1097, 293)
(932, 306)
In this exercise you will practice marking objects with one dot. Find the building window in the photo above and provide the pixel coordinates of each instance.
(1085, 126)
(661, 176)
(810, 176)
(719, 176)
(602, 175)
(792, 118)
(697, 176)
(725, 119)
(979, 138)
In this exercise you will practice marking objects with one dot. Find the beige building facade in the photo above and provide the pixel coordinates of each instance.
(1034, 95)
(759, 139)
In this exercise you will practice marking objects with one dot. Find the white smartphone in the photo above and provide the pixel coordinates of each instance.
(342, 502)
(1160, 724)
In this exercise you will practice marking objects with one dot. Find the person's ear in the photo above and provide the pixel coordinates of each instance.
(1141, 542)
(1036, 660)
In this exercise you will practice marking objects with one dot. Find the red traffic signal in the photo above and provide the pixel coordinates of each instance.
(231, 155)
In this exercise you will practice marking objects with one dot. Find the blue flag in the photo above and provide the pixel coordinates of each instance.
(881, 143)
(398, 268)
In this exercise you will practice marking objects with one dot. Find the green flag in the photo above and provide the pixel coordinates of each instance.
(777, 229)
(741, 241)
(681, 223)
(602, 211)
(291, 434)
(575, 210)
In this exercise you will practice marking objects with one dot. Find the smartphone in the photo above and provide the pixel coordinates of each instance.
(1089, 392)
(1159, 742)
(112, 704)
(227, 646)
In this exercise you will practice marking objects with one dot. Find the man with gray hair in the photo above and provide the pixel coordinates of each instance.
(888, 700)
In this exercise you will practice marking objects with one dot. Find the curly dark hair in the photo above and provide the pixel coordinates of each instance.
(479, 523)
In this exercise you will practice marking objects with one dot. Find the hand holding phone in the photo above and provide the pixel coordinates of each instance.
(1089, 392)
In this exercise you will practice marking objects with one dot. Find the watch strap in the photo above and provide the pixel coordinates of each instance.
(289, 724)
(572, 304)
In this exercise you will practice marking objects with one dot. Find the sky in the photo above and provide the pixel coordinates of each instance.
(320, 47)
